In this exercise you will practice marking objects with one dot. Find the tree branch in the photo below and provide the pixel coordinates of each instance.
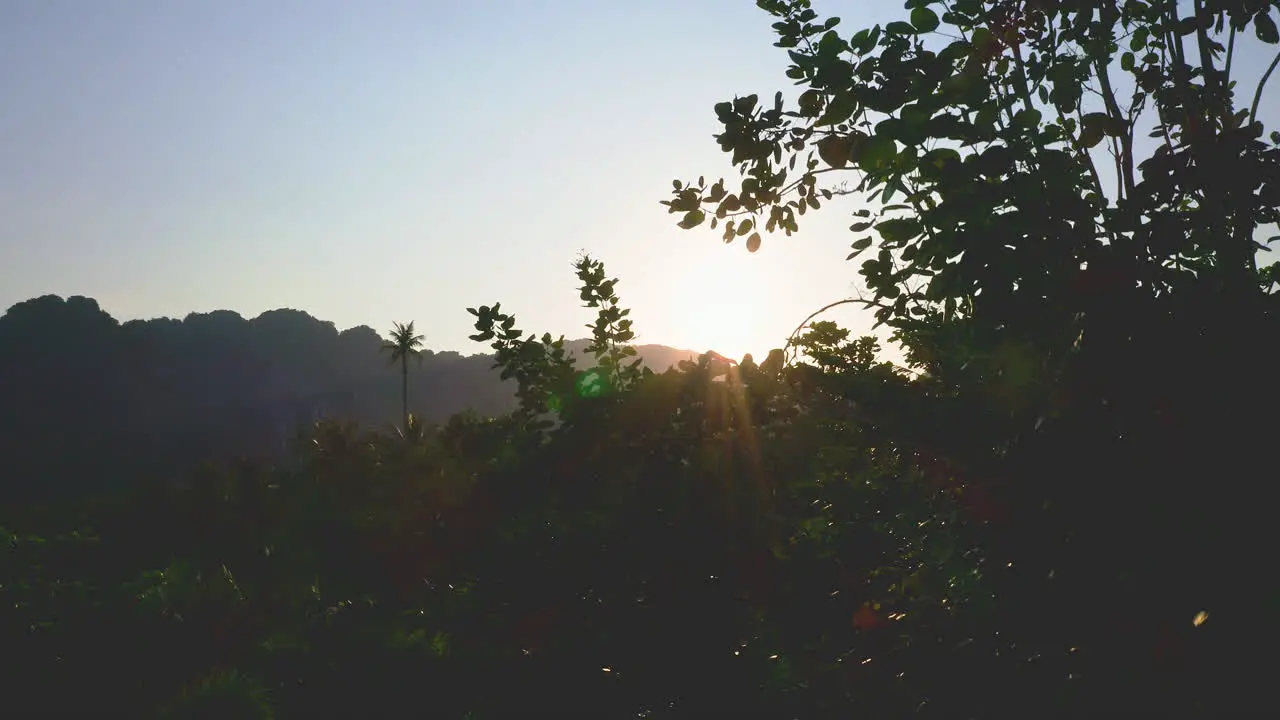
(1231, 52)
(1124, 161)
(1257, 94)
(792, 338)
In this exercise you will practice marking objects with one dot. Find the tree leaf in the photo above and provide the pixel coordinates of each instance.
(875, 153)
(899, 230)
(1093, 128)
(1265, 28)
(840, 108)
(753, 242)
(924, 19)
(692, 219)
(834, 150)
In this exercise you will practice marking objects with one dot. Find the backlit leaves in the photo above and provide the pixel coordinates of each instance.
(875, 153)
(924, 20)
(692, 219)
(993, 124)
(835, 150)
(897, 231)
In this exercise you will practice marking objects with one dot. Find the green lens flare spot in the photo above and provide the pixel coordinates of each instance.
(591, 383)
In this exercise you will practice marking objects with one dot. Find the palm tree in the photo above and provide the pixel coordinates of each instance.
(404, 343)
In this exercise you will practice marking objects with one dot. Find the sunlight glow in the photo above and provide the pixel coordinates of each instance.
(721, 303)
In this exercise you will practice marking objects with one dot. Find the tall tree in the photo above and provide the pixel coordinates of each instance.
(1063, 204)
(403, 344)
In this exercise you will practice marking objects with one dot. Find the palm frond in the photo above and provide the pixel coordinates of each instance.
(403, 340)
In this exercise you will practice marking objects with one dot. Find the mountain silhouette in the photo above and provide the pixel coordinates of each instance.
(88, 403)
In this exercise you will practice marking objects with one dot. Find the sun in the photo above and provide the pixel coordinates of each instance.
(719, 301)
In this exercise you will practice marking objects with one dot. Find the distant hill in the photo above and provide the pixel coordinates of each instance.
(87, 402)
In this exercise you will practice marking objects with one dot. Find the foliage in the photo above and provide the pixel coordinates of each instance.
(546, 379)
(222, 695)
(1062, 206)
(1052, 510)
(404, 343)
(990, 144)
(727, 537)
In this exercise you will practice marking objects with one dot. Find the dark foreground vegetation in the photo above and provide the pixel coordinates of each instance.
(1058, 508)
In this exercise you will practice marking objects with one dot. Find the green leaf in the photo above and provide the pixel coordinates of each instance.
(936, 163)
(1093, 129)
(914, 128)
(745, 105)
(996, 161)
(1265, 28)
(875, 153)
(692, 219)
(1126, 62)
(862, 41)
(898, 230)
(840, 108)
(810, 102)
(1028, 118)
(956, 51)
(834, 150)
(924, 19)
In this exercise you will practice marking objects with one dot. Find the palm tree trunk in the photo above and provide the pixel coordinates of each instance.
(404, 392)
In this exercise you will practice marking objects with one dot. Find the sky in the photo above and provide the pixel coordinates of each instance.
(392, 160)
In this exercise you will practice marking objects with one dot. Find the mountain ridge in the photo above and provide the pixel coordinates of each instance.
(79, 389)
